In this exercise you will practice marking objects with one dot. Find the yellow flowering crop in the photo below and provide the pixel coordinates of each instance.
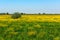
(29, 18)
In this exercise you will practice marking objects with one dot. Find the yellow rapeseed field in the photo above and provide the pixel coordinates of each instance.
(29, 18)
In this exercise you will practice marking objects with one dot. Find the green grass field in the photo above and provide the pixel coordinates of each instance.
(23, 30)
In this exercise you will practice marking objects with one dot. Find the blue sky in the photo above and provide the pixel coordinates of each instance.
(30, 6)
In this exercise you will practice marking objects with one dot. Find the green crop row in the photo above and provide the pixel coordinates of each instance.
(22, 30)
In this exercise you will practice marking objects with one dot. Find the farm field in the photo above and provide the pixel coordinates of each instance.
(30, 27)
(29, 18)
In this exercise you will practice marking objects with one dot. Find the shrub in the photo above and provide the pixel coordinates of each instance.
(22, 13)
(16, 15)
(7, 13)
(43, 13)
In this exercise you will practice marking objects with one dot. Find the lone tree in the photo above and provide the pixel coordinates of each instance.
(43, 13)
(39, 13)
(16, 15)
(7, 13)
(22, 13)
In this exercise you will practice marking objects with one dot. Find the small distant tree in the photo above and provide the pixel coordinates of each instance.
(7, 13)
(16, 15)
(22, 13)
(43, 13)
(39, 13)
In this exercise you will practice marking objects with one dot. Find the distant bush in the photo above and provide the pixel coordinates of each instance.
(43, 13)
(39, 13)
(22, 13)
(16, 15)
(7, 13)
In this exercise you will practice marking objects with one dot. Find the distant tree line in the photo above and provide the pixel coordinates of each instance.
(4, 13)
(16, 15)
(27, 13)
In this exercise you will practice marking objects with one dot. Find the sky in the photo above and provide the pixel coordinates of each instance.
(30, 6)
